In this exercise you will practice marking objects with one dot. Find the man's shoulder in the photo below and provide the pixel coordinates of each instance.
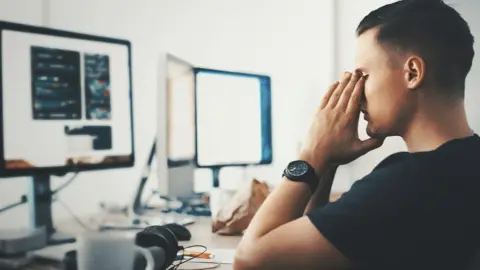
(399, 166)
(454, 161)
(395, 159)
(449, 156)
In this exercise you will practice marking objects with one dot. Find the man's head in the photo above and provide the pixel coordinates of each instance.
(413, 51)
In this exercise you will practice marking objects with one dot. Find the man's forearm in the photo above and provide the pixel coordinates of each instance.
(286, 203)
(321, 197)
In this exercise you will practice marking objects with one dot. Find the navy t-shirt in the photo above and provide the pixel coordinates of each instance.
(413, 211)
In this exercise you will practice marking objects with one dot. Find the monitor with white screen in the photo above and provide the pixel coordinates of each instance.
(233, 118)
(180, 111)
(175, 142)
(65, 101)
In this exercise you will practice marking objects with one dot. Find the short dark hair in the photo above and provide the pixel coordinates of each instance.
(433, 30)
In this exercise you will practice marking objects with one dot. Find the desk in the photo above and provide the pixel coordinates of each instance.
(201, 235)
(200, 230)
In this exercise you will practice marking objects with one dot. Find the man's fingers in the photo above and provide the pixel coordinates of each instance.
(332, 102)
(347, 92)
(329, 93)
(355, 100)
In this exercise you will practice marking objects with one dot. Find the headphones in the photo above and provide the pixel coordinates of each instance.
(151, 237)
(161, 237)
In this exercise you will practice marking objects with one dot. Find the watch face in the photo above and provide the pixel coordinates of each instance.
(297, 168)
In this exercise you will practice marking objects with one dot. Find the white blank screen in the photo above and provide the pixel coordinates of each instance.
(181, 110)
(228, 119)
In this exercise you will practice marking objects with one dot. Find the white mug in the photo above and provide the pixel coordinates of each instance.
(109, 251)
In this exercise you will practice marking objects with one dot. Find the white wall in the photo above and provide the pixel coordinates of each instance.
(470, 10)
(290, 40)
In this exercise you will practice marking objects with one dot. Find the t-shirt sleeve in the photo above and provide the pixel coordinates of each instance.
(365, 223)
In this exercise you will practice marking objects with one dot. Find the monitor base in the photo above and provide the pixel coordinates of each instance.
(58, 238)
(20, 241)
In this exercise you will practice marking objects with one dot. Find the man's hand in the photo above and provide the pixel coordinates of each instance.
(333, 136)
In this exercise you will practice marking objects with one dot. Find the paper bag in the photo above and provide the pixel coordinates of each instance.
(235, 216)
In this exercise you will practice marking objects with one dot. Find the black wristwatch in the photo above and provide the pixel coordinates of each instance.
(301, 171)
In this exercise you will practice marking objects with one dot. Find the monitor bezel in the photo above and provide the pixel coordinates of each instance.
(266, 119)
(59, 170)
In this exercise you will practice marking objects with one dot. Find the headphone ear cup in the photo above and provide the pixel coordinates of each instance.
(162, 237)
(172, 243)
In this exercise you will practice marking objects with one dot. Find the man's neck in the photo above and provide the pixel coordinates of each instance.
(435, 125)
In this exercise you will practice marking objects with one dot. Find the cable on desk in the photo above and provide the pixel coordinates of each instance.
(24, 197)
(215, 265)
(64, 185)
(75, 217)
(23, 200)
(175, 266)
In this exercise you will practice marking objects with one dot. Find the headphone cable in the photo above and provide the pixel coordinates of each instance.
(183, 261)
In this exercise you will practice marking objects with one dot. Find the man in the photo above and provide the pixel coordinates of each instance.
(417, 209)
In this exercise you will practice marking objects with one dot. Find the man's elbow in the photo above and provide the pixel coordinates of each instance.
(246, 258)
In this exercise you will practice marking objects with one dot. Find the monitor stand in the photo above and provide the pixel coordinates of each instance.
(40, 205)
(218, 195)
(216, 176)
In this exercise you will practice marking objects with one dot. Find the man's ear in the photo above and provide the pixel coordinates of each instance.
(414, 72)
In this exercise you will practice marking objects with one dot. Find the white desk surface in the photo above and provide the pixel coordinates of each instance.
(200, 230)
(201, 235)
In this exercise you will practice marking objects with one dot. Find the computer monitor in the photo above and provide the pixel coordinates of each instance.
(66, 106)
(180, 112)
(176, 106)
(233, 119)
